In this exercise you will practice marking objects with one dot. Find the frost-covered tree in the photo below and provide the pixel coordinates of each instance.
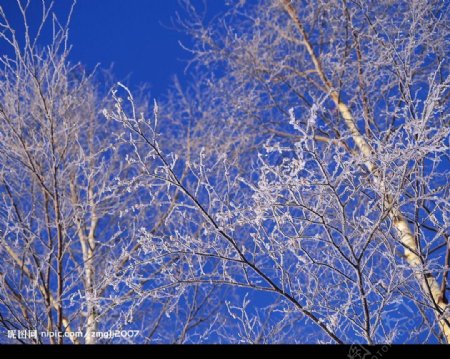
(295, 192)
(69, 216)
(314, 175)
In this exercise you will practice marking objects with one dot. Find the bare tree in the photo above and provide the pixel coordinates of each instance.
(297, 191)
(69, 215)
(316, 169)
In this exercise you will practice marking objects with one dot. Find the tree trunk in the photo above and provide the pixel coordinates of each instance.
(399, 222)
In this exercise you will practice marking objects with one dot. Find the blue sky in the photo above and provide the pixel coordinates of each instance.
(136, 36)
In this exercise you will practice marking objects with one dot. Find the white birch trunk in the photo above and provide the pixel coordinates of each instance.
(399, 222)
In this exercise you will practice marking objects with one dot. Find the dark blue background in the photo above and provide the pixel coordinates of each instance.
(136, 36)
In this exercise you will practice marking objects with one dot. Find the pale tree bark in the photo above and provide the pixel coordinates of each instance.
(87, 243)
(341, 183)
(405, 235)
